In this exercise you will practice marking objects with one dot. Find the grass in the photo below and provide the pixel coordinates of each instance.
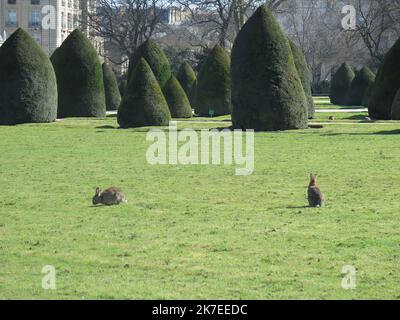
(324, 103)
(341, 116)
(198, 231)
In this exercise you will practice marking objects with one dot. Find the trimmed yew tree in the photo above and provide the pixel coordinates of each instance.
(340, 84)
(386, 84)
(122, 87)
(178, 103)
(79, 78)
(111, 90)
(266, 89)
(395, 113)
(155, 57)
(28, 87)
(193, 95)
(187, 78)
(359, 87)
(305, 77)
(143, 103)
(213, 95)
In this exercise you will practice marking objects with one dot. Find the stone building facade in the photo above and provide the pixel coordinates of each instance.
(48, 21)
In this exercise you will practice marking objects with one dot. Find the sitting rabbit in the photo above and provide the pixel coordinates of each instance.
(109, 197)
(315, 196)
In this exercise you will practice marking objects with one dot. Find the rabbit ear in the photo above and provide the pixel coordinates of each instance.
(97, 190)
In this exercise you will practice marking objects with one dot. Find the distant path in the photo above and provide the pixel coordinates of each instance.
(352, 123)
(110, 113)
(311, 123)
(341, 110)
(193, 120)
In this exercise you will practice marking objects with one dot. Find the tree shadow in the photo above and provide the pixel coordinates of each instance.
(298, 207)
(106, 127)
(383, 133)
(359, 117)
(230, 128)
(388, 132)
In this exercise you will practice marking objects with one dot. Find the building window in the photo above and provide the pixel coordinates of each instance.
(12, 1)
(70, 21)
(76, 21)
(63, 24)
(12, 18)
(35, 2)
(35, 18)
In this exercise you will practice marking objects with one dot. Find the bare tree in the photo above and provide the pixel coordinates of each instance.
(221, 20)
(125, 24)
(377, 19)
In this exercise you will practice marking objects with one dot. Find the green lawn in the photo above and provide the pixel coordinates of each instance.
(199, 231)
(325, 103)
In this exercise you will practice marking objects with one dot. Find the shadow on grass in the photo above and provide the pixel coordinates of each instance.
(102, 206)
(358, 117)
(137, 129)
(351, 107)
(205, 120)
(298, 207)
(106, 127)
(382, 133)
(389, 132)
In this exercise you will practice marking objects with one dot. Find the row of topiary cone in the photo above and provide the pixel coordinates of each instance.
(381, 94)
(151, 87)
(266, 86)
(73, 83)
(350, 87)
(152, 94)
(384, 95)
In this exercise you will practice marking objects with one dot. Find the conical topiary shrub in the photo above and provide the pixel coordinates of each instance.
(367, 95)
(156, 59)
(340, 84)
(193, 95)
(28, 87)
(395, 113)
(111, 90)
(267, 93)
(359, 86)
(305, 77)
(386, 84)
(79, 78)
(122, 87)
(54, 54)
(187, 78)
(143, 103)
(178, 103)
(213, 95)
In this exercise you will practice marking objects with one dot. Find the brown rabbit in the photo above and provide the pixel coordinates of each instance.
(315, 196)
(109, 197)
